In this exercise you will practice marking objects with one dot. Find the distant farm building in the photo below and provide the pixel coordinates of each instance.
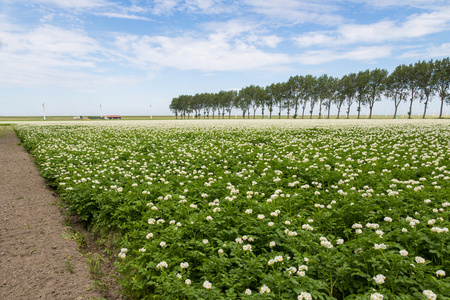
(113, 117)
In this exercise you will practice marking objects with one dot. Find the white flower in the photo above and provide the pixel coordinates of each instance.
(184, 265)
(379, 279)
(270, 224)
(124, 250)
(161, 265)
(379, 247)
(179, 276)
(220, 251)
(205, 241)
(404, 253)
(376, 296)
(209, 218)
(388, 219)
(207, 285)
(303, 268)
(122, 255)
(187, 281)
(248, 211)
(429, 294)
(272, 244)
(142, 250)
(151, 221)
(440, 273)
(261, 217)
(248, 292)
(163, 244)
(247, 247)
(148, 236)
(339, 241)
(419, 260)
(264, 289)
(305, 296)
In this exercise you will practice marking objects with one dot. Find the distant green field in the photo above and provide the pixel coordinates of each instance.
(70, 118)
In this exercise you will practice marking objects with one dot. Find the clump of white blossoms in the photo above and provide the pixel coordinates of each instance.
(207, 285)
(161, 265)
(379, 247)
(247, 247)
(123, 253)
(379, 279)
(440, 273)
(305, 296)
(404, 253)
(248, 292)
(419, 260)
(264, 289)
(376, 296)
(429, 294)
(184, 265)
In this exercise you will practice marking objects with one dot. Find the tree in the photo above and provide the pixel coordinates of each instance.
(323, 91)
(442, 78)
(308, 84)
(270, 100)
(332, 93)
(425, 82)
(296, 85)
(413, 86)
(376, 87)
(396, 86)
(361, 86)
(349, 82)
(175, 106)
(340, 95)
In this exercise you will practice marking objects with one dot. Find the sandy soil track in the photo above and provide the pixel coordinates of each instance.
(36, 261)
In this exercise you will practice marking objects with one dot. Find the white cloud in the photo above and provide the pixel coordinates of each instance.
(216, 52)
(430, 4)
(50, 55)
(123, 16)
(298, 11)
(194, 6)
(430, 51)
(415, 26)
(364, 54)
(77, 4)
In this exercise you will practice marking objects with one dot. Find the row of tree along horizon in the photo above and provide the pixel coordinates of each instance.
(419, 81)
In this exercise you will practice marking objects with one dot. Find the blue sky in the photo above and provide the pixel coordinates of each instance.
(127, 55)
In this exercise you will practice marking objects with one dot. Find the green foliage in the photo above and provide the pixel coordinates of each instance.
(321, 210)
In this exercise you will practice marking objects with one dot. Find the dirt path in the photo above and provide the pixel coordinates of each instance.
(36, 261)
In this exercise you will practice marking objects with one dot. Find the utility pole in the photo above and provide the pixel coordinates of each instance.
(43, 108)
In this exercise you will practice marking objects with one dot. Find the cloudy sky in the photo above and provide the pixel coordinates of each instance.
(127, 55)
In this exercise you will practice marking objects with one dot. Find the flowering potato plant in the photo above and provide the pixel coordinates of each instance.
(273, 210)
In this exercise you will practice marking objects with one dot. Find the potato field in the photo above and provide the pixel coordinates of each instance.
(279, 209)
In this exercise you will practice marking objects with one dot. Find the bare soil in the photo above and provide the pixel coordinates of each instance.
(40, 257)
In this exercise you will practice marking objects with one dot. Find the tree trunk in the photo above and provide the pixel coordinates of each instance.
(270, 112)
(410, 108)
(339, 111)
(328, 114)
(370, 114)
(320, 109)
(425, 108)
(254, 113)
(303, 112)
(359, 108)
(442, 107)
(262, 110)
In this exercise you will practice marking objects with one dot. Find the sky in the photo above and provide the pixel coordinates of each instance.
(75, 55)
